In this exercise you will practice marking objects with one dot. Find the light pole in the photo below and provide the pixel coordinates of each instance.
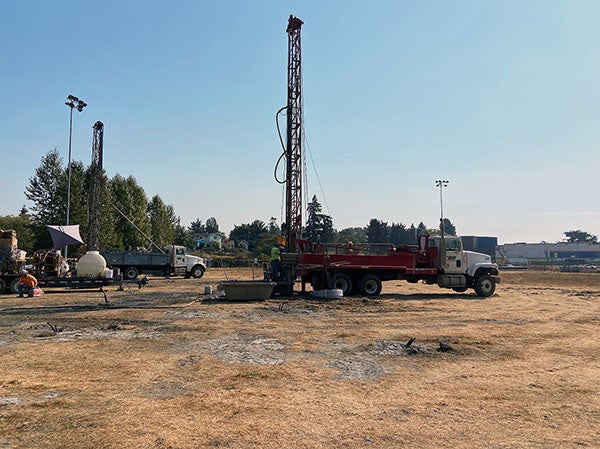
(73, 103)
(441, 184)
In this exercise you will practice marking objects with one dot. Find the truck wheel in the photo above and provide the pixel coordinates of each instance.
(485, 286)
(13, 286)
(343, 282)
(131, 273)
(197, 271)
(2, 286)
(369, 285)
(459, 289)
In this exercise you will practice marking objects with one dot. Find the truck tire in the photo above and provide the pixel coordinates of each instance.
(131, 273)
(13, 286)
(2, 286)
(343, 282)
(369, 285)
(485, 286)
(459, 289)
(197, 271)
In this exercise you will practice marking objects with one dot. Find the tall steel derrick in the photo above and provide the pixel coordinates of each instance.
(95, 195)
(294, 136)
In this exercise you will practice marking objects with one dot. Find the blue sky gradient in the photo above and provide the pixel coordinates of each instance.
(499, 97)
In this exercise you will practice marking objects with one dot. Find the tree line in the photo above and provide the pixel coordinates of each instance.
(130, 220)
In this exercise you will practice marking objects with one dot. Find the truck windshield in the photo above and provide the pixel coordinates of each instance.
(452, 245)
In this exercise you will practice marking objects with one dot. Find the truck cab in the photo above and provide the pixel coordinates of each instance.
(185, 264)
(460, 269)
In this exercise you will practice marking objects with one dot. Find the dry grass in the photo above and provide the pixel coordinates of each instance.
(164, 368)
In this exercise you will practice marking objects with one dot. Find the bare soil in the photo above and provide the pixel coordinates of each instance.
(169, 367)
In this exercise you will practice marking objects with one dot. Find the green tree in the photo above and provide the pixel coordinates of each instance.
(354, 235)
(422, 229)
(319, 226)
(197, 228)
(398, 235)
(249, 232)
(411, 235)
(47, 190)
(131, 200)
(78, 204)
(579, 236)
(163, 221)
(183, 236)
(377, 231)
(449, 228)
(22, 225)
(212, 227)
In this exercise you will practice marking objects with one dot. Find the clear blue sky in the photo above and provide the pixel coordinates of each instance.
(499, 97)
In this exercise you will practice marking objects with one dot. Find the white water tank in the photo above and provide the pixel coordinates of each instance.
(91, 265)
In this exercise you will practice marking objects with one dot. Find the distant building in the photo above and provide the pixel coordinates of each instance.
(215, 237)
(485, 245)
(524, 253)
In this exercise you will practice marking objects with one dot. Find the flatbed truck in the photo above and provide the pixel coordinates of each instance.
(361, 269)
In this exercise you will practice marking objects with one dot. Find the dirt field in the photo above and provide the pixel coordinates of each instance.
(167, 367)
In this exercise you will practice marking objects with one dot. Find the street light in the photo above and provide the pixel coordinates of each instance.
(441, 184)
(73, 103)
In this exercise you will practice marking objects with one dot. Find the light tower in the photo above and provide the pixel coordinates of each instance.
(73, 103)
(441, 184)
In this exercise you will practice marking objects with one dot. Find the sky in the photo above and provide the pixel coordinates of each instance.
(500, 98)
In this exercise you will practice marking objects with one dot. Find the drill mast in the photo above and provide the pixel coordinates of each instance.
(96, 177)
(293, 212)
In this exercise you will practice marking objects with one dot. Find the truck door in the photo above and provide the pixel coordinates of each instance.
(179, 257)
(455, 258)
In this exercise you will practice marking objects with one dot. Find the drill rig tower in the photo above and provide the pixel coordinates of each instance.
(293, 194)
(96, 178)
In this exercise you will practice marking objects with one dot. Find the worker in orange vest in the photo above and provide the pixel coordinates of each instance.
(26, 284)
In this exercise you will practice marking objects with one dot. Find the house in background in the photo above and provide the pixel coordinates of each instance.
(212, 238)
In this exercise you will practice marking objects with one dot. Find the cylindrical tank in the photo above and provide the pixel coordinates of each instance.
(91, 265)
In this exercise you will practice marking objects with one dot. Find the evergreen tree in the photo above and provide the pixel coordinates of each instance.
(47, 191)
(183, 236)
(22, 225)
(449, 228)
(319, 226)
(249, 232)
(377, 231)
(212, 226)
(354, 235)
(163, 221)
(197, 228)
(579, 236)
(398, 234)
(131, 200)
(412, 235)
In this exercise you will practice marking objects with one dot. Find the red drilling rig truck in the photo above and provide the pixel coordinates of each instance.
(352, 268)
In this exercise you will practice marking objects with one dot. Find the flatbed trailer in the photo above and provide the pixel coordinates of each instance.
(8, 282)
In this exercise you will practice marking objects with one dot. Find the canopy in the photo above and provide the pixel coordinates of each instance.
(64, 235)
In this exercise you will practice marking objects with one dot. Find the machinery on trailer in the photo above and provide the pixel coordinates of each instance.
(360, 268)
(45, 265)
